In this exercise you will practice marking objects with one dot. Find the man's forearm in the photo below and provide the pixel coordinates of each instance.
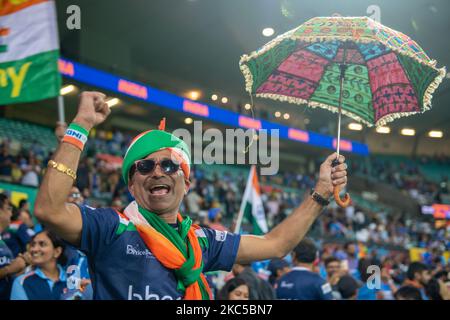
(291, 231)
(55, 186)
(285, 236)
(16, 266)
(51, 207)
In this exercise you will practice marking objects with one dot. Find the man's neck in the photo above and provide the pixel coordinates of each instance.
(170, 218)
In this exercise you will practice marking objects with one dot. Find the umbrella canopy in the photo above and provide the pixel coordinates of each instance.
(387, 74)
(351, 65)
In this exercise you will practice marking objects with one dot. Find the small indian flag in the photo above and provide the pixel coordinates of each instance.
(252, 207)
(29, 51)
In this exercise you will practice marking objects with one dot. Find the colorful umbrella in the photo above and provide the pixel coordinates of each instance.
(351, 65)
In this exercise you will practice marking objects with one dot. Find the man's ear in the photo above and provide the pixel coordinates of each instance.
(131, 186)
(187, 184)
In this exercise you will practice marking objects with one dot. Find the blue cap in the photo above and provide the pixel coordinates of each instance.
(213, 212)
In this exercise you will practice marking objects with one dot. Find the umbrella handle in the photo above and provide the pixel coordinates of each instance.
(343, 203)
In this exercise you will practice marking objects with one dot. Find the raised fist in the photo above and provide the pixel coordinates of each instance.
(92, 109)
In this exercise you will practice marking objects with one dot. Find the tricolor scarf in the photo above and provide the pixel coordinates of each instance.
(178, 250)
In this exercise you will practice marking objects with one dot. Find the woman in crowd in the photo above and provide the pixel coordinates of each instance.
(47, 279)
(234, 289)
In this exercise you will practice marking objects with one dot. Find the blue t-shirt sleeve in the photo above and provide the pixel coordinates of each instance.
(221, 250)
(277, 288)
(17, 291)
(99, 228)
(24, 237)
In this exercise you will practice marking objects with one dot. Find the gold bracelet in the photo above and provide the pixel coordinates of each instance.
(62, 168)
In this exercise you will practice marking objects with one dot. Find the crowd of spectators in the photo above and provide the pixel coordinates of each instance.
(99, 180)
(349, 238)
(408, 176)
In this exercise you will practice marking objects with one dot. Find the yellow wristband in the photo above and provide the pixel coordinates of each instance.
(62, 168)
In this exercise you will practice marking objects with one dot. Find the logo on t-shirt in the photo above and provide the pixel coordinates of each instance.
(6, 236)
(4, 260)
(136, 251)
(220, 235)
(73, 277)
(326, 288)
(287, 285)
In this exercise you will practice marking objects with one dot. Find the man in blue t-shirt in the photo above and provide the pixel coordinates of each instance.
(301, 283)
(6, 255)
(150, 251)
(8, 265)
(17, 236)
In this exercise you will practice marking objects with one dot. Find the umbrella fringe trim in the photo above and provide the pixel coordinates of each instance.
(391, 117)
(428, 95)
(381, 122)
(248, 77)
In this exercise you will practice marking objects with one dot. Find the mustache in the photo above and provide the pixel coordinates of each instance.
(151, 181)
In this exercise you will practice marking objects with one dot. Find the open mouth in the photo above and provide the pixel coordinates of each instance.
(160, 189)
(36, 254)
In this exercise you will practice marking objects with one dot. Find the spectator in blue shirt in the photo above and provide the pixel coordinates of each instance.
(47, 279)
(301, 283)
(78, 277)
(8, 265)
(17, 235)
(368, 290)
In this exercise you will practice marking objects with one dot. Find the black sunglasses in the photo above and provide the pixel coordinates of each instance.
(147, 166)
